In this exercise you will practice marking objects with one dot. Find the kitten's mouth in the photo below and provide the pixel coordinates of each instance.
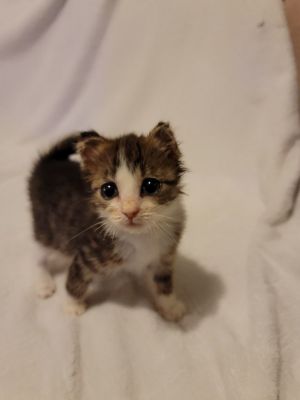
(133, 224)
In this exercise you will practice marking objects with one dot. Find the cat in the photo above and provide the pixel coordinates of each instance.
(119, 208)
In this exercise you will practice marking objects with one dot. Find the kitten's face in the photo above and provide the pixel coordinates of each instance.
(135, 180)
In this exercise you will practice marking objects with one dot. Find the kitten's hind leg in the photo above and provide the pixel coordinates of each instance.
(45, 286)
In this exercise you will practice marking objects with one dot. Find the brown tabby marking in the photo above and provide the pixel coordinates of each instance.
(164, 283)
(156, 155)
(66, 201)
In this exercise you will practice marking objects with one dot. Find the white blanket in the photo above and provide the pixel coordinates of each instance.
(222, 74)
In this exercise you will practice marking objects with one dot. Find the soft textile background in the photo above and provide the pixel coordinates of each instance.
(222, 74)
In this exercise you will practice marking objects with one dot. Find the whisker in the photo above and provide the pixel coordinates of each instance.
(163, 216)
(156, 214)
(165, 232)
(84, 230)
(108, 230)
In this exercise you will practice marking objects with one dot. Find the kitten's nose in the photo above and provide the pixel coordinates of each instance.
(131, 214)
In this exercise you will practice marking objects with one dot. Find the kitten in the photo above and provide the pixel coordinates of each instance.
(119, 208)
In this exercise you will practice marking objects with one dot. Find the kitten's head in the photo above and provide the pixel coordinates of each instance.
(135, 180)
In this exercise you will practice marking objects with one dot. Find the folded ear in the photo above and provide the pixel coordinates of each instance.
(88, 146)
(163, 134)
(89, 134)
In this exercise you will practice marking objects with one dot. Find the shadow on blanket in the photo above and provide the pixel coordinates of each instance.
(199, 289)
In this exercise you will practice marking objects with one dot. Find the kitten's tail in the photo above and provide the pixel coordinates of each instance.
(66, 147)
(61, 150)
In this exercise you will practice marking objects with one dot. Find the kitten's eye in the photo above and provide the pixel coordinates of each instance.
(150, 186)
(109, 190)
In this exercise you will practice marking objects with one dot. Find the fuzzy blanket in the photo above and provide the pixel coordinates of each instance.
(222, 73)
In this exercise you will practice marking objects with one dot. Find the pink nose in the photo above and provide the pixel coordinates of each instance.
(131, 214)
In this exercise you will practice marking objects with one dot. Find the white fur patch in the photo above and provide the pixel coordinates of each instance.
(52, 259)
(170, 307)
(73, 306)
(48, 260)
(45, 287)
(128, 183)
(139, 251)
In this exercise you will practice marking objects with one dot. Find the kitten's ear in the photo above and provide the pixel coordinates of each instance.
(88, 146)
(163, 134)
(89, 134)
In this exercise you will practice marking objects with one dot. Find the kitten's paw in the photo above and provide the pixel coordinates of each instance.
(45, 289)
(74, 307)
(170, 308)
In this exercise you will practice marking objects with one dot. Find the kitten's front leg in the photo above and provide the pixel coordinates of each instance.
(160, 283)
(78, 280)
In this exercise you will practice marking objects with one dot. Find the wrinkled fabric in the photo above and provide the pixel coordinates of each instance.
(222, 73)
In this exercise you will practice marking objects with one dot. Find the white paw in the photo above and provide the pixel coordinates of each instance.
(170, 307)
(45, 289)
(74, 307)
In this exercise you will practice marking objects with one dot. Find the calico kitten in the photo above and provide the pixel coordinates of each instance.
(120, 208)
